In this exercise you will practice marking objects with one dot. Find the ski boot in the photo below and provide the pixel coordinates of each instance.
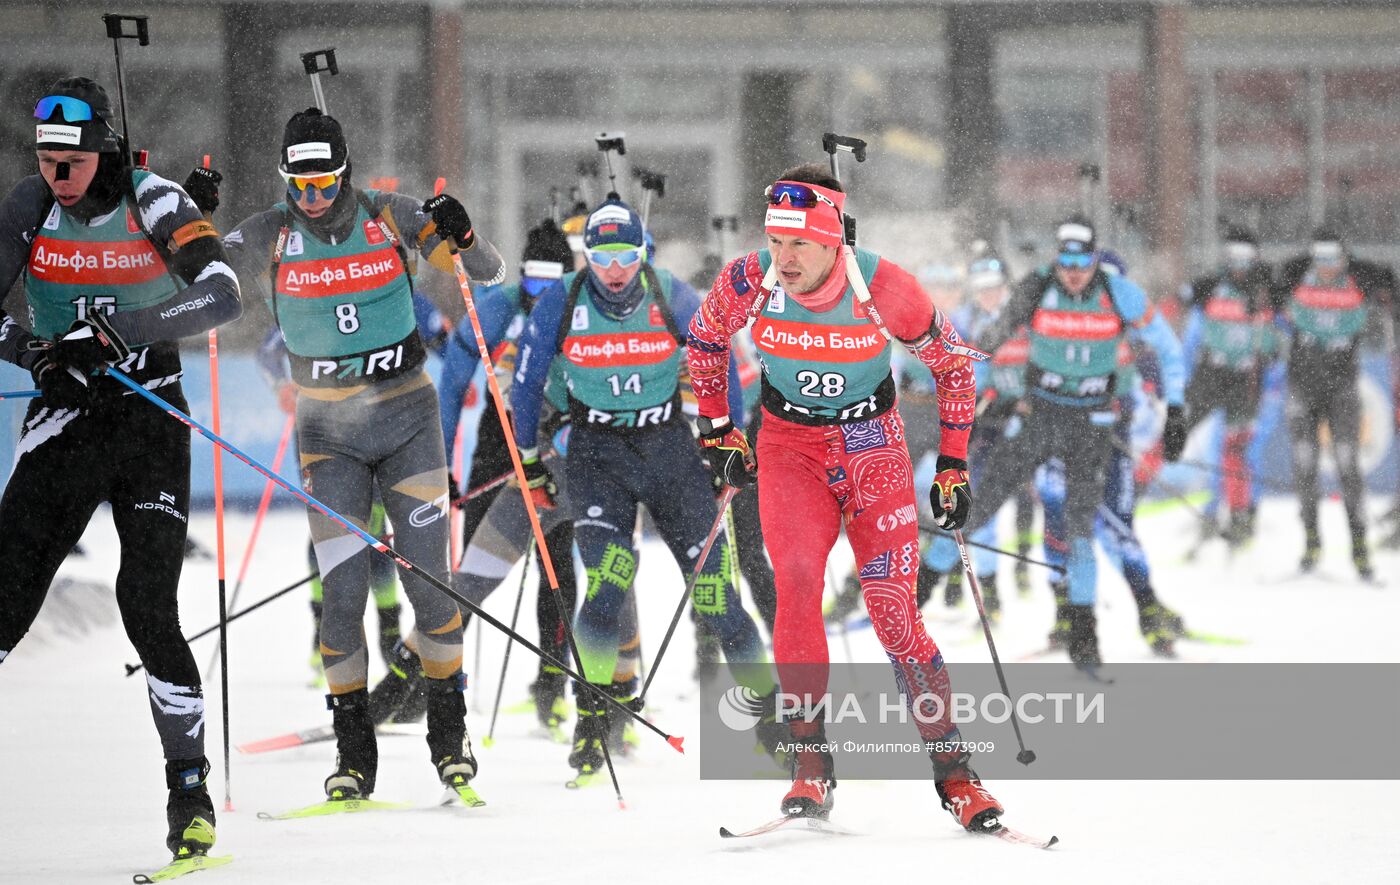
(547, 691)
(356, 752)
(991, 600)
(398, 687)
(590, 731)
(813, 790)
(1312, 551)
(925, 583)
(449, 745)
(189, 812)
(622, 734)
(1084, 639)
(963, 795)
(1161, 627)
(1361, 558)
(953, 590)
(1059, 634)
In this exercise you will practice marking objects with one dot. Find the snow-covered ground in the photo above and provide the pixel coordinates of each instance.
(82, 792)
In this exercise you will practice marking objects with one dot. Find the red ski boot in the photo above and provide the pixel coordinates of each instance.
(964, 796)
(813, 789)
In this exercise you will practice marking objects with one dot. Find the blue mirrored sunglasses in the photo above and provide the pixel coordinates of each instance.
(796, 195)
(620, 257)
(75, 110)
(1076, 260)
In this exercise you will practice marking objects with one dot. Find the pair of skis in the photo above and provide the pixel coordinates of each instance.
(464, 795)
(824, 826)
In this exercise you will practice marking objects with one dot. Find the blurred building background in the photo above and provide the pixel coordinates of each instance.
(981, 116)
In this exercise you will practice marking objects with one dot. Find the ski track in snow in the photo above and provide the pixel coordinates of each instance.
(83, 788)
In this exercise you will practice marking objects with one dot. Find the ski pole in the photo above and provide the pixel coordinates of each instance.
(1174, 490)
(133, 668)
(542, 545)
(219, 548)
(729, 493)
(505, 662)
(1020, 557)
(257, 523)
(1025, 757)
(379, 546)
(19, 394)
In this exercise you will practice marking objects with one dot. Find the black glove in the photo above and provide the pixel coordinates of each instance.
(951, 494)
(90, 344)
(58, 389)
(203, 187)
(452, 221)
(539, 480)
(727, 450)
(1174, 434)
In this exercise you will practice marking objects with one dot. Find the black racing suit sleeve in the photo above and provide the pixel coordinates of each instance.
(211, 296)
(1017, 313)
(21, 213)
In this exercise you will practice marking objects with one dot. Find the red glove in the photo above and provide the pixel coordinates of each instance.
(951, 494)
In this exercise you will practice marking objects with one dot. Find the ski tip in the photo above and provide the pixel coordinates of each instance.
(1053, 841)
(439, 185)
(725, 834)
(677, 742)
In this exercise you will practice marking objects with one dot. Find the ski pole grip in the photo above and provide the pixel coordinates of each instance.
(831, 143)
(116, 28)
(311, 61)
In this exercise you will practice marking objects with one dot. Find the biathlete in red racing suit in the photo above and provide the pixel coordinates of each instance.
(832, 450)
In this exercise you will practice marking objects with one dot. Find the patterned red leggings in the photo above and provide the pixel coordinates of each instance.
(809, 480)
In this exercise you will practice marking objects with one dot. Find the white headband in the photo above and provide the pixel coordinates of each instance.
(544, 270)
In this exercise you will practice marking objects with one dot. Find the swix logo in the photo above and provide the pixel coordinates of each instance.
(580, 320)
(295, 246)
(373, 235)
(429, 513)
(358, 366)
(888, 522)
(166, 504)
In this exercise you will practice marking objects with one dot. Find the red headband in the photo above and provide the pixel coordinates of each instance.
(820, 224)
